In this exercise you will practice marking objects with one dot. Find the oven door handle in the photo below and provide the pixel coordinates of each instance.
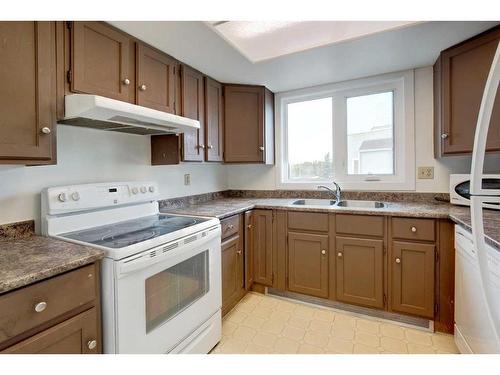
(135, 264)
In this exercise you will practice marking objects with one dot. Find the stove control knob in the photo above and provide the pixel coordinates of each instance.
(75, 196)
(62, 197)
(151, 189)
(143, 189)
(135, 190)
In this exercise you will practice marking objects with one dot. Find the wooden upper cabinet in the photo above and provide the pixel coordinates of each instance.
(412, 278)
(308, 263)
(360, 271)
(460, 75)
(262, 233)
(28, 92)
(192, 106)
(100, 61)
(214, 114)
(248, 124)
(155, 71)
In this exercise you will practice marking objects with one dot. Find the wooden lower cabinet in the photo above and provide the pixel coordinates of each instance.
(262, 237)
(248, 238)
(78, 335)
(412, 267)
(308, 263)
(360, 271)
(233, 286)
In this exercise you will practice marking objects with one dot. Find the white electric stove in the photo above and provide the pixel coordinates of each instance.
(161, 275)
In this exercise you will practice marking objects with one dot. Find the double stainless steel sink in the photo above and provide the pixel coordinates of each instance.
(343, 203)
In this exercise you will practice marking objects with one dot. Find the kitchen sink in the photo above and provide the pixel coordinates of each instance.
(314, 202)
(361, 204)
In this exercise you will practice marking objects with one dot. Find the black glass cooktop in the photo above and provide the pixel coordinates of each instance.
(130, 232)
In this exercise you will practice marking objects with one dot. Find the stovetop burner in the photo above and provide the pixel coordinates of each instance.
(127, 233)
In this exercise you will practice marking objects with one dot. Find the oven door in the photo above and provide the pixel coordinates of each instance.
(165, 294)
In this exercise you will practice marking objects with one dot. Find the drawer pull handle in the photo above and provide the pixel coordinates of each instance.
(323, 252)
(398, 260)
(92, 344)
(40, 306)
(339, 254)
(414, 229)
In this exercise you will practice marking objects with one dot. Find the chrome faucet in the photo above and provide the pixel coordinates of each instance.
(337, 193)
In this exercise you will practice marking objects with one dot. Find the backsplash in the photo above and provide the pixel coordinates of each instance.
(315, 194)
(17, 230)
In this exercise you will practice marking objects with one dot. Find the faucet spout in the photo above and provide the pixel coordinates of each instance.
(337, 193)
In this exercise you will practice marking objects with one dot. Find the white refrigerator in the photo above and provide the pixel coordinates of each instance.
(477, 284)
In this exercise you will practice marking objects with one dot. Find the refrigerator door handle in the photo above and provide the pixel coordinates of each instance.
(482, 127)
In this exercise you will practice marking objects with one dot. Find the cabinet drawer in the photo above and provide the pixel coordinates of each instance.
(230, 226)
(308, 221)
(364, 225)
(61, 294)
(78, 335)
(414, 229)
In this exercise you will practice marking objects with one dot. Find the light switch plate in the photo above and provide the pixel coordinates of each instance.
(425, 172)
(187, 179)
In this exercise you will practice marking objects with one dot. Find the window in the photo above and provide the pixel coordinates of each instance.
(358, 133)
(370, 137)
(310, 140)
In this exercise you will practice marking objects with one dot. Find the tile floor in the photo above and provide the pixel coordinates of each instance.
(262, 324)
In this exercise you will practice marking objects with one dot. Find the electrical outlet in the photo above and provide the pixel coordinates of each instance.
(426, 173)
(187, 179)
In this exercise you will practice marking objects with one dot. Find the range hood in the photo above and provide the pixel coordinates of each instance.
(98, 112)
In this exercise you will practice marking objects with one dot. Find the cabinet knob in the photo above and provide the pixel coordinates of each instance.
(142, 87)
(45, 130)
(126, 82)
(339, 254)
(210, 146)
(261, 148)
(238, 252)
(201, 146)
(249, 226)
(444, 135)
(40, 306)
(398, 260)
(414, 229)
(323, 252)
(92, 344)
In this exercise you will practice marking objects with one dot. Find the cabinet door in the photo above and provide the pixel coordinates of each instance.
(155, 79)
(27, 93)
(263, 247)
(192, 106)
(78, 335)
(232, 273)
(360, 271)
(214, 120)
(244, 124)
(249, 245)
(308, 264)
(464, 71)
(412, 278)
(100, 61)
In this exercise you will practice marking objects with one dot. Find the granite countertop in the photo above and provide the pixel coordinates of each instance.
(224, 207)
(29, 259)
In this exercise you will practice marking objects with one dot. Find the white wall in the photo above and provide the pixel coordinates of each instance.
(87, 155)
(264, 177)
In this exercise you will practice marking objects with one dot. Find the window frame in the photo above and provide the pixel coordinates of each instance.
(402, 85)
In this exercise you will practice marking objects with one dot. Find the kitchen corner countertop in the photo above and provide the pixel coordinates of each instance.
(26, 260)
(225, 207)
